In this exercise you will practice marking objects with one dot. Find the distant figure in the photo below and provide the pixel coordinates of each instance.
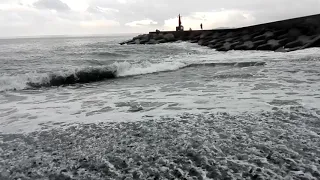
(190, 29)
(157, 31)
(201, 26)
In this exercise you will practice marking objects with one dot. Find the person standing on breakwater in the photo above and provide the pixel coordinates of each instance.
(201, 26)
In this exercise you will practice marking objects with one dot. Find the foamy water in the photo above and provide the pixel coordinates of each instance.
(287, 79)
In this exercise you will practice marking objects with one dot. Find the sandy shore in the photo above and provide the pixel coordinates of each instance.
(269, 145)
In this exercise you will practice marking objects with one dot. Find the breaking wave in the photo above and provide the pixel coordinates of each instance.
(99, 53)
(94, 74)
(109, 54)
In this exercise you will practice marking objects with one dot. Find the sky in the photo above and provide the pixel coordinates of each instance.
(89, 17)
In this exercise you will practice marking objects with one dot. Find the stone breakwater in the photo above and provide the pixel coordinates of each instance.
(281, 36)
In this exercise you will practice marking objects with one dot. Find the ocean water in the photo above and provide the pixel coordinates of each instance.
(236, 114)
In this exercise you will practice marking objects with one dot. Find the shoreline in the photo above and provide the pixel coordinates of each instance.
(267, 145)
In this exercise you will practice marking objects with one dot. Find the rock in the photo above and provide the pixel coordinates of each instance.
(258, 38)
(258, 33)
(215, 35)
(145, 38)
(274, 44)
(222, 49)
(294, 32)
(195, 38)
(158, 36)
(213, 41)
(184, 38)
(205, 34)
(268, 35)
(220, 41)
(315, 42)
(229, 39)
(211, 46)
(230, 46)
(293, 44)
(230, 34)
(139, 37)
(144, 41)
(240, 47)
(284, 36)
(258, 43)
(162, 41)
(152, 41)
(130, 42)
(137, 41)
(283, 42)
(304, 39)
(192, 35)
(203, 42)
(279, 33)
(246, 37)
(169, 37)
(194, 41)
(281, 49)
(200, 42)
(217, 46)
(227, 45)
(248, 45)
(127, 42)
(265, 47)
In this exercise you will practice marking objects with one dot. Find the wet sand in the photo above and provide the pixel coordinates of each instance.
(266, 145)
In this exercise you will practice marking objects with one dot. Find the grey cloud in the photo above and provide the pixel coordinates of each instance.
(160, 10)
(52, 4)
(34, 18)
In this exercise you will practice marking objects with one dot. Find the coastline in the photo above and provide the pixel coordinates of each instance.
(280, 36)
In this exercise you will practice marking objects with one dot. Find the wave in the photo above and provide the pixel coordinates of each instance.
(78, 77)
(99, 53)
(109, 54)
(235, 64)
(94, 74)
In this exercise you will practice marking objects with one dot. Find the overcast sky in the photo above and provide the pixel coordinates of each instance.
(83, 17)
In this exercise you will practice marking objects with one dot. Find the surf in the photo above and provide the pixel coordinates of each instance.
(101, 73)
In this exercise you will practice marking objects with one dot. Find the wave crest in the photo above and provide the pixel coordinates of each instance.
(83, 76)
(94, 74)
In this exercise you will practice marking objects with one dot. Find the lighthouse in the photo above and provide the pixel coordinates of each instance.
(179, 27)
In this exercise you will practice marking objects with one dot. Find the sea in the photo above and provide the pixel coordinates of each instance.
(89, 108)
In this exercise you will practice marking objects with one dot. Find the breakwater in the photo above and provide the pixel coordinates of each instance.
(281, 36)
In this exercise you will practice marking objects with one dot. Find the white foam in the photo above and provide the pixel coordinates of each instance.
(194, 91)
(19, 81)
(123, 69)
(127, 69)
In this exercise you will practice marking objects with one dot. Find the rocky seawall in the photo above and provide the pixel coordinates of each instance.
(281, 36)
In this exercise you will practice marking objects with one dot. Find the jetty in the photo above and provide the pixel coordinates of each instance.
(281, 36)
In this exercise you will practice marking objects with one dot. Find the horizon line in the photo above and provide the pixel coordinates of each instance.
(65, 35)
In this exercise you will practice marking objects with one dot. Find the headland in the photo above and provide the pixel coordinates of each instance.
(281, 36)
